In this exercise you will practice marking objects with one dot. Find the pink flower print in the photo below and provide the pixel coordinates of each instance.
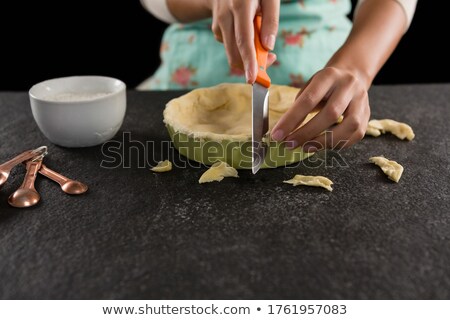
(331, 28)
(333, 1)
(296, 80)
(294, 39)
(236, 72)
(182, 76)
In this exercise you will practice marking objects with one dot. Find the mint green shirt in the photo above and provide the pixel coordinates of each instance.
(310, 31)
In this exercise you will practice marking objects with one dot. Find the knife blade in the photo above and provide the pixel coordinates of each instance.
(260, 125)
(260, 102)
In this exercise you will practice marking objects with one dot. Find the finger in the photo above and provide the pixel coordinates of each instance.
(350, 131)
(270, 20)
(229, 41)
(335, 106)
(244, 33)
(310, 97)
(271, 58)
(216, 30)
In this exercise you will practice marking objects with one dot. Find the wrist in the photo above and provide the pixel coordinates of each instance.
(360, 73)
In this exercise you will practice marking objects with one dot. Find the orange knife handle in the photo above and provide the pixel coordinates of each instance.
(261, 55)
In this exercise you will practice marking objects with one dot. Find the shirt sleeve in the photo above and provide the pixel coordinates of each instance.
(159, 9)
(408, 6)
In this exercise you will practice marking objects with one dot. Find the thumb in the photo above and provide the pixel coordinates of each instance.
(271, 58)
(270, 19)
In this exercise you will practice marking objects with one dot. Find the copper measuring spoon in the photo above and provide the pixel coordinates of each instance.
(5, 169)
(27, 196)
(69, 186)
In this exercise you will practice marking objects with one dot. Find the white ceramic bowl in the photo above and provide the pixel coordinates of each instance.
(80, 111)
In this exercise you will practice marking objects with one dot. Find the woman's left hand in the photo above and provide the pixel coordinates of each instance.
(336, 91)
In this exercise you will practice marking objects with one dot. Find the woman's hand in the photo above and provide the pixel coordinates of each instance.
(336, 91)
(233, 26)
(341, 88)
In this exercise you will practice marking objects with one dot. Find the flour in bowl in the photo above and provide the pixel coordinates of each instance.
(76, 96)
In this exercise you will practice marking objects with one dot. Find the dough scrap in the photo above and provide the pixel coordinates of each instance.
(217, 172)
(399, 129)
(162, 166)
(312, 181)
(391, 168)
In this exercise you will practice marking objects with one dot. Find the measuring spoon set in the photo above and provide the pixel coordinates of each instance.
(26, 195)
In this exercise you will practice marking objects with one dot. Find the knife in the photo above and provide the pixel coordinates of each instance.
(260, 102)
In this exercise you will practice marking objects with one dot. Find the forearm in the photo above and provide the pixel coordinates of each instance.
(189, 11)
(377, 29)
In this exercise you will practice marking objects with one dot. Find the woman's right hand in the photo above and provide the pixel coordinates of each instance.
(233, 26)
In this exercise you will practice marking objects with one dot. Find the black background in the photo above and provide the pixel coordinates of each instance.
(46, 39)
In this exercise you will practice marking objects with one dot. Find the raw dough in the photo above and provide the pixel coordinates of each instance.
(391, 168)
(217, 172)
(224, 112)
(162, 166)
(399, 129)
(313, 181)
(211, 124)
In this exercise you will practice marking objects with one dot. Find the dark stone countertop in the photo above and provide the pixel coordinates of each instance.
(140, 235)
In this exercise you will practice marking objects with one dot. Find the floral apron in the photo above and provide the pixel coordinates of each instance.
(310, 32)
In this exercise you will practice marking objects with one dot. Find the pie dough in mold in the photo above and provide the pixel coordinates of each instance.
(215, 124)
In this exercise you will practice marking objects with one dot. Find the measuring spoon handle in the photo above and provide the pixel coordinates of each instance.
(30, 177)
(52, 175)
(24, 156)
